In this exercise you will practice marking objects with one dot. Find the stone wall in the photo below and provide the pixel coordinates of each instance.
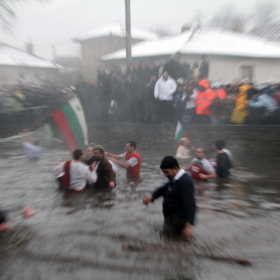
(156, 140)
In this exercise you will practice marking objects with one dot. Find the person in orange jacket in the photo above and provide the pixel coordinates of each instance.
(204, 99)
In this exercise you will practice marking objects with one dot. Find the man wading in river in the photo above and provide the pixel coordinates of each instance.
(179, 204)
(132, 160)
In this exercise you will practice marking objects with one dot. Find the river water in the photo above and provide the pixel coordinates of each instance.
(80, 236)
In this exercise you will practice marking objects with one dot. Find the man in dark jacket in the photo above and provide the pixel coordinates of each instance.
(150, 101)
(106, 176)
(179, 204)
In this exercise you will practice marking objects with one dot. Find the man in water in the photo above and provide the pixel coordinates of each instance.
(200, 167)
(76, 173)
(131, 160)
(223, 163)
(30, 146)
(106, 176)
(179, 205)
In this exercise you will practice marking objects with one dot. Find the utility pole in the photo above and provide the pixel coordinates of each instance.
(128, 32)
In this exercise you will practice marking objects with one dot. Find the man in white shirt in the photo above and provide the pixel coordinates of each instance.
(30, 146)
(164, 90)
(76, 173)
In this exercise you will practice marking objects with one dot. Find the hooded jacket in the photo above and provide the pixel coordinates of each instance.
(164, 89)
(204, 99)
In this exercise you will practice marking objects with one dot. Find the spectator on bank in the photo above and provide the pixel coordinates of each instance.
(150, 101)
(189, 97)
(164, 90)
(18, 99)
(178, 103)
(203, 68)
(203, 101)
(263, 100)
(240, 112)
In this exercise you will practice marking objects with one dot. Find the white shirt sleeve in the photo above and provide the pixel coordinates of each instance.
(123, 156)
(173, 87)
(133, 161)
(58, 169)
(208, 167)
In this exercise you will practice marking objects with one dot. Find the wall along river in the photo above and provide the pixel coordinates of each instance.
(80, 236)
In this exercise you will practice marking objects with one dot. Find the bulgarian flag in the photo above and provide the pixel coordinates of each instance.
(71, 121)
(179, 133)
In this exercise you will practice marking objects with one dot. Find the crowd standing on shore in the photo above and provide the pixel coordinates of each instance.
(145, 93)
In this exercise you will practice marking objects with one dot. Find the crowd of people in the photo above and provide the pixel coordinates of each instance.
(175, 91)
(169, 92)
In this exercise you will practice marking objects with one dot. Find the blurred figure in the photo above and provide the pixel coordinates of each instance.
(200, 167)
(223, 163)
(183, 152)
(150, 101)
(173, 67)
(164, 90)
(189, 97)
(195, 70)
(263, 100)
(132, 85)
(203, 101)
(179, 205)
(88, 153)
(178, 103)
(161, 68)
(30, 146)
(76, 173)
(106, 178)
(240, 112)
(203, 68)
(131, 160)
(117, 86)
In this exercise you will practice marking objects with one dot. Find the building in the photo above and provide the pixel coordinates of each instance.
(105, 40)
(231, 55)
(18, 65)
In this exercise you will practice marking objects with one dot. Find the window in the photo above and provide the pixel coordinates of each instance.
(246, 71)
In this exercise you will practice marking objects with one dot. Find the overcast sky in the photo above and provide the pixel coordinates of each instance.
(57, 21)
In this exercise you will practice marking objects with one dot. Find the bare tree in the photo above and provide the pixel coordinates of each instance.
(7, 13)
(264, 14)
(229, 19)
(161, 30)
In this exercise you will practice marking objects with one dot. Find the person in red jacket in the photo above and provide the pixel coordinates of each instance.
(203, 101)
(131, 160)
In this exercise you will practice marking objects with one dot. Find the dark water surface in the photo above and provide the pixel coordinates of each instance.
(80, 236)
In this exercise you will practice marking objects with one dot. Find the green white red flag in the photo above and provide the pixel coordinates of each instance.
(179, 133)
(71, 121)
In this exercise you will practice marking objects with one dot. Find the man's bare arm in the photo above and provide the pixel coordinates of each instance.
(120, 163)
(113, 155)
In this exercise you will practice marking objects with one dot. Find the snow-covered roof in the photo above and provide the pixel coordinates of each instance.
(204, 41)
(15, 57)
(116, 29)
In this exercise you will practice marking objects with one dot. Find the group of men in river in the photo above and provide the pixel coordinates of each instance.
(96, 169)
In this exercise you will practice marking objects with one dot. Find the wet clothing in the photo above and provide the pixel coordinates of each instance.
(105, 174)
(200, 167)
(223, 165)
(134, 161)
(80, 174)
(32, 151)
(179, 202)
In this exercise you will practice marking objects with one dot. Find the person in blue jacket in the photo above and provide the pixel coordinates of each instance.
(178, 205)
